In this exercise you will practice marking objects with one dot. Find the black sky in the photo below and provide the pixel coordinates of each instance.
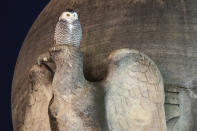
(17, 16)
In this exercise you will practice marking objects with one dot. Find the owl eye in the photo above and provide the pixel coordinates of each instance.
(68, 14)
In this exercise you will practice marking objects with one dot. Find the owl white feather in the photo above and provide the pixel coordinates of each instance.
(68, 29)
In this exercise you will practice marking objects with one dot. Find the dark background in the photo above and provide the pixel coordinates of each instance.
(17, 16)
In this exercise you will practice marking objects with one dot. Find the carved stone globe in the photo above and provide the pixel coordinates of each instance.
(164, 30)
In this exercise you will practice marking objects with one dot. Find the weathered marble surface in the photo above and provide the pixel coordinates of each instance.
(130, 98)
(164, 30)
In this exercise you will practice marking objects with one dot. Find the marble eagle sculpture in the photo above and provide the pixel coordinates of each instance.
(130, 98)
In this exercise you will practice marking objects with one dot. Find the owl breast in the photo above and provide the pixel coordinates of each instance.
(68, 33)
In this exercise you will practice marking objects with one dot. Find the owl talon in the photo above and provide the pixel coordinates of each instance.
(68, 52)
(43, 58)
(69, 64)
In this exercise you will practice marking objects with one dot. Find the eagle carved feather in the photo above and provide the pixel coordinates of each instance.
(130, 98)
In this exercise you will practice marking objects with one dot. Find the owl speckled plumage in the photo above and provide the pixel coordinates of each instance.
(68, 29)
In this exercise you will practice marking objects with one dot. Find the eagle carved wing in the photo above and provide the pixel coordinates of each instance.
(134, 93)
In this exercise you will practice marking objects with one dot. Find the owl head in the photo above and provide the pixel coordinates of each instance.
(69, 15)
